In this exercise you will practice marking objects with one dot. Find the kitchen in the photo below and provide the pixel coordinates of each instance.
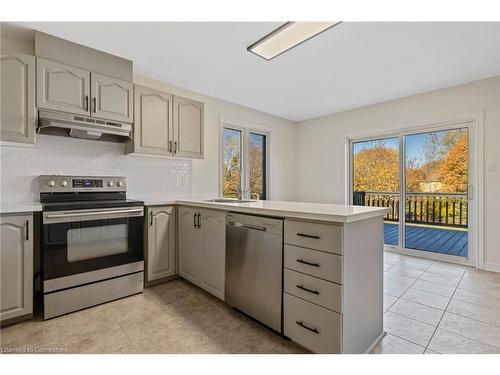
(122, 233)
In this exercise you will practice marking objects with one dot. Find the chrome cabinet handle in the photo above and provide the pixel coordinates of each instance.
(301, 323)
(93, 100)
(86, 102)
(194, 220)
(93, 213)
(248, 226)
(27, 230)
(308, 263)
(199, 221)
(175, 147)
(151, 218)
(307, 289)
(169, 146)
(308, 236)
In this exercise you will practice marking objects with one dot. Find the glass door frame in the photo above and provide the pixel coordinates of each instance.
(474, 130)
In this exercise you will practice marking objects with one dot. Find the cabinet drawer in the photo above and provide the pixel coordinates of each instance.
(320, 292)
(315, 263)
(325, 237)
(315, 328)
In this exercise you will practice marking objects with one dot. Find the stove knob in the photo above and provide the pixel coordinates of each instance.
(51, 183)
(120, 183)
(110, 183)
(64, 183)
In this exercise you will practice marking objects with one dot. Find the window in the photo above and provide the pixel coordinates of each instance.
(244, 161)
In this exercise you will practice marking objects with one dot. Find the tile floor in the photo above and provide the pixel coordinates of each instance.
(174, 317)
(435, 307)
(429, 307)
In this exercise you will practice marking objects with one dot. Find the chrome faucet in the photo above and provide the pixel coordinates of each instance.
(242, 193)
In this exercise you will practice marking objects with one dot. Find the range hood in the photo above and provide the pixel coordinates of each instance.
(76, 126)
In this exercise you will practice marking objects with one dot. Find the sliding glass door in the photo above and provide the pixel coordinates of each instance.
(423, 179)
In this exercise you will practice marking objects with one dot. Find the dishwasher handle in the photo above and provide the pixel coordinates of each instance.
(247, 226)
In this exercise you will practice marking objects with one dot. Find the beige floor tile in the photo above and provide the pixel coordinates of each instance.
(417, 311)
(394, 290)
(470, 328)
(406, 270)
(428, 286)
(102, 339)
(451, 343)
(387, 266)
(173, 340)
(415, 263)
(241, 340)
(280, 344)
(473, 311)
(29, 335)
(430, 351)
(391, 344)
(212, 323)
(409, 329)
(440, 279)
(447, 269)
(426, 298)
(399, 279)
(389, 301)
(482, 276)
(480, 285)
(477, 298)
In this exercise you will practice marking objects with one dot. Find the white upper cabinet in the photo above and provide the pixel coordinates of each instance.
(188, 128)
(62, 88)
(152, 122)
(112, 98)
(17, 98)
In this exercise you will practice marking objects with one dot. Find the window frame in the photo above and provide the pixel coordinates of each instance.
(245, 128)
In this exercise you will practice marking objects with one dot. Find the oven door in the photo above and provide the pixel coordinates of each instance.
(82, 241)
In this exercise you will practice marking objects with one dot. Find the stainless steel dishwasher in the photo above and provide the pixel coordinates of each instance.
(254, 267)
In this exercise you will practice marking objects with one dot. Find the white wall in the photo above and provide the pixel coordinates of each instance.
(321, 150)
(206, 171)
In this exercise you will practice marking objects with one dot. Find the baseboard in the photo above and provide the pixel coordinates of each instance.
(493, 267)
(374, 344)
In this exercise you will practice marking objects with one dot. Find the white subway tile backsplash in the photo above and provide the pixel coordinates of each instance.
(148, 178)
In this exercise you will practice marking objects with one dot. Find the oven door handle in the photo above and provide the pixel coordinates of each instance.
(94, 213)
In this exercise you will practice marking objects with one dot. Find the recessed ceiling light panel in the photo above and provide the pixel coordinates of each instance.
(287, 36)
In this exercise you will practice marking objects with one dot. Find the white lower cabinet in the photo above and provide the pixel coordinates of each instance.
(202, 248)
(16, 265)
(160, 242)
(312, 326)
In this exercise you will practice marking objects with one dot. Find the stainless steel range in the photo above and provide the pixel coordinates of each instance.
(92, 242)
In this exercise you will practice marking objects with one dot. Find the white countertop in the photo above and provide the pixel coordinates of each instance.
(297, 210)
(13, 207)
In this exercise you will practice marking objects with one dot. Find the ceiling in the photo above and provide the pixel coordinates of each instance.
(351, 65)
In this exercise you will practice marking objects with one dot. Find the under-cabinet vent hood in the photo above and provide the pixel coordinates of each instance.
(77, 126)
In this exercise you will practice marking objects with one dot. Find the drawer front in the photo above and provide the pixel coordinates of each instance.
(325, 237)
(315, 263)
(315, 328)
(320, 292)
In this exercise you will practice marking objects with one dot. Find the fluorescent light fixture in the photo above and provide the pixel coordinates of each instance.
(287, 36)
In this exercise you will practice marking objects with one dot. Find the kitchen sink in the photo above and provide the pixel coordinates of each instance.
(229, 200)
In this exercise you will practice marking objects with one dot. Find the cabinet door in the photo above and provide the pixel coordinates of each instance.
(152, 121)
(16, 265)
(161, 242)
(188, 128)
(188, 244)
(112, 98)
(213, 252)
(62, 88)
(17, 97)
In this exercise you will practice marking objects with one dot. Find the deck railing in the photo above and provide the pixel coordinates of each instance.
(447, 209)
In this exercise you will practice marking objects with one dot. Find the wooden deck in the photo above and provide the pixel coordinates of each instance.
(436, 240)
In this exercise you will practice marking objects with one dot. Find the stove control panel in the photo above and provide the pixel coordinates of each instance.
(60, 184)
